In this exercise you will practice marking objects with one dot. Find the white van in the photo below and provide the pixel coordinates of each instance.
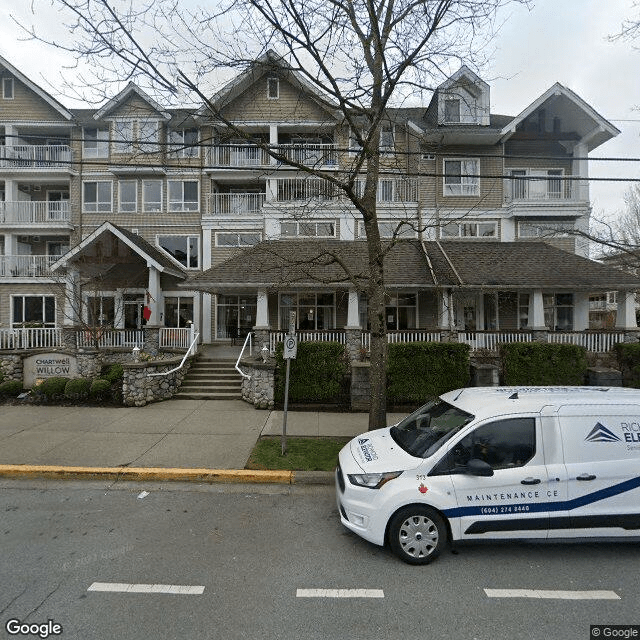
(497, 463)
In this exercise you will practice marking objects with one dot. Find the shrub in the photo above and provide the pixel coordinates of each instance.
(628, 355)
(53, 388)
(317, 373)
(536, 363)
(77, 389)
(418, 371)
(10, 388)
(113, 373)
(100, 389)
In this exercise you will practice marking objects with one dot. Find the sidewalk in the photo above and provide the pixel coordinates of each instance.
(200, 435)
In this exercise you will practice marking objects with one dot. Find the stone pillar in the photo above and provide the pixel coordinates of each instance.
(151, 339)
(70, 337)
(626, 311)
(353, 343)
(261, 329)
(580, 311)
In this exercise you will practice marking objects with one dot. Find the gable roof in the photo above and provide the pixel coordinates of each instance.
(50, 100)
(131, 89)
(153, 256)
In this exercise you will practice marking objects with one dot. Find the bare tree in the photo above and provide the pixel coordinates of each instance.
(363, 56)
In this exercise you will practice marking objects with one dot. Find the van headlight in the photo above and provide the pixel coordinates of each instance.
(372, 480)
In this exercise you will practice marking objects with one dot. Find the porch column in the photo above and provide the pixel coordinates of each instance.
(580, 311)
(353, 310)
(536, 311)
(10, 190)
(626, 310)
(480, 313)
(445, 311)
(73, 299)
(154, 299)
(118, 309)
(262, 310)
(580, 188)
(205, 327)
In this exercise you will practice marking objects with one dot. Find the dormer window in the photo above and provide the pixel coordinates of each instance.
(452, 110)
(273, 88)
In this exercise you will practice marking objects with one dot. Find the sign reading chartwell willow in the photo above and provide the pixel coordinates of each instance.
(48, 365)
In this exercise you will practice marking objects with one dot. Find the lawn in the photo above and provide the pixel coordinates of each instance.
(303, 454)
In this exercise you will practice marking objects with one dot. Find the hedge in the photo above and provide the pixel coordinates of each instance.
(418, 371)
(77, 389)
(537, 363)
(317, 373)
(113, 373)
(628, 354)
(53, 388)
(100, 389)
(10, 388)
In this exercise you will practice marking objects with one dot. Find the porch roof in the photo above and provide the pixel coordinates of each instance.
(410, 264)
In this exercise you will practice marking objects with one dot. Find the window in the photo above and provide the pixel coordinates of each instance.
(387, 138)
(7, 88)
(96, 197)
(523, 310)
(101, 311)
(152, 195)
(184, 249)
(461, 178)
(123, 136)
(314, 311)
(273, 88)
(240, 239)
(95, 143)
(503, 444)
(149, 136)
(469, 230)
(184, 143)
(545, 229)
(183, 195)
(558, 311)
(178, 311)
(38, 311)
(128, 196)
(401, 311)
(308, 229)
(235, 315)
(57, 248)
(452, 111)
(385, 190)
(389, 228)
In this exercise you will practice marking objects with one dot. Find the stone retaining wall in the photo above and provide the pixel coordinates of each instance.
(259, 388)
(140, 388)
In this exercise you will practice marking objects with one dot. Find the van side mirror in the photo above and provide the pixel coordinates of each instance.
(477, 467)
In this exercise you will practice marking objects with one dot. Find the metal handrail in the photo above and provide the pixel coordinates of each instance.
(189, 350)
(238, 369)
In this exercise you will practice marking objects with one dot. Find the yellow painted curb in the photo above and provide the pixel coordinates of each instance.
(147, 473)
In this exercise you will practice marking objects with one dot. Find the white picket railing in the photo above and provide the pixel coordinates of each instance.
(597, 342)
(395, 337)
(307, 336)
(29, 212)
(106, 338)
(176, 338)
(26, 266)
(491, 339)
(311, 155)
(221, 204)
(238, 155)
(30, 338)
(30, 155)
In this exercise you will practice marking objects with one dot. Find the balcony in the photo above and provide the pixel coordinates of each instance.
(57, 156)
(542, 189)
(236, 204)
(236, 155)
(312, 155)
(31, 266)
(35, 213)
(391, 191)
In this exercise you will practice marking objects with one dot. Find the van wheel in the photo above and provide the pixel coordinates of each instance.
(417, 534)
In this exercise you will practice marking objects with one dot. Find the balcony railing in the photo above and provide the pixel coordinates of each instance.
(335, 335)
(311, 155)
(32, 338)
(36, 156)
(110, 338)
(34, 212)
(390, 190)
(410, 335)
(595, 341)
(221, 204)
(538, 189)
(237, 155)
(26, 266)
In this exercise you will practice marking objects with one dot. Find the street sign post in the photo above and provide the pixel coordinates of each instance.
(290, 352)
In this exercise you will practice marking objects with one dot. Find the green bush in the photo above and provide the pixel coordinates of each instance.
(317, 373)
(77, 389)
(100, 389)
(10, 388)
(628, 355)
(53, 388)
(536, 363)
(113, 373)
(418, 371)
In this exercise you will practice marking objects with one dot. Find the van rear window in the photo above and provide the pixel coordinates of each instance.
(424, 431)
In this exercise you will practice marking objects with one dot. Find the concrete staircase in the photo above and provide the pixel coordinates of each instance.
(211, 379)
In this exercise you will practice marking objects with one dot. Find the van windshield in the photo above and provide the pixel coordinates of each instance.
(423, 432)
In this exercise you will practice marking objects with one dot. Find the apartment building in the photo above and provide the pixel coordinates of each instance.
(162, 217)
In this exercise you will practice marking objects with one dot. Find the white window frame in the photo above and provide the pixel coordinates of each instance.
(148, 142)
(145, 204)
(298, 307)
(543, 229)
(270, 83)
(301, 224)
(122, 137)
(181, 206)
(187, 237)
(469, 180)
(101, 141)
(469, 223)
(180, 148)
(389, 130)
(446, 112)
(98, 208)
(387, 229)
(238, 235)
(120, 200)
(8, 83)
(45, 324)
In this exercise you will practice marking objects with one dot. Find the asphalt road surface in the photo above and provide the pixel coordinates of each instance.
(142, 561)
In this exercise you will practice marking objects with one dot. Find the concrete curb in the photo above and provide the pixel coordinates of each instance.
(146, 473)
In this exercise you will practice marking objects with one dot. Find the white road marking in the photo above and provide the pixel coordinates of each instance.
(339, 593)
(120, 587)
(559, 595)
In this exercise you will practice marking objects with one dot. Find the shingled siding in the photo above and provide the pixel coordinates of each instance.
(26, 104)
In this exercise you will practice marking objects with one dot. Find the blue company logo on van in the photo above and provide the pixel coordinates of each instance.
(367, 449)
(600, 433)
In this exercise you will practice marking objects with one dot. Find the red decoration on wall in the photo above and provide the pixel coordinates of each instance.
(146, 313)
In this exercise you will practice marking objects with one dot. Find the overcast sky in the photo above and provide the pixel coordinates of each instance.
(556, 41)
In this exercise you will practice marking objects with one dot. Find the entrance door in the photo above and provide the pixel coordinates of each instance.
(133, 305)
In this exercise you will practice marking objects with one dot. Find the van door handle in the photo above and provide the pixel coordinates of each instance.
(586, 476)
(530, 481)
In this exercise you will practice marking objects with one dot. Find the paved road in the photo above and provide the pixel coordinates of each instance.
(250, 560)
